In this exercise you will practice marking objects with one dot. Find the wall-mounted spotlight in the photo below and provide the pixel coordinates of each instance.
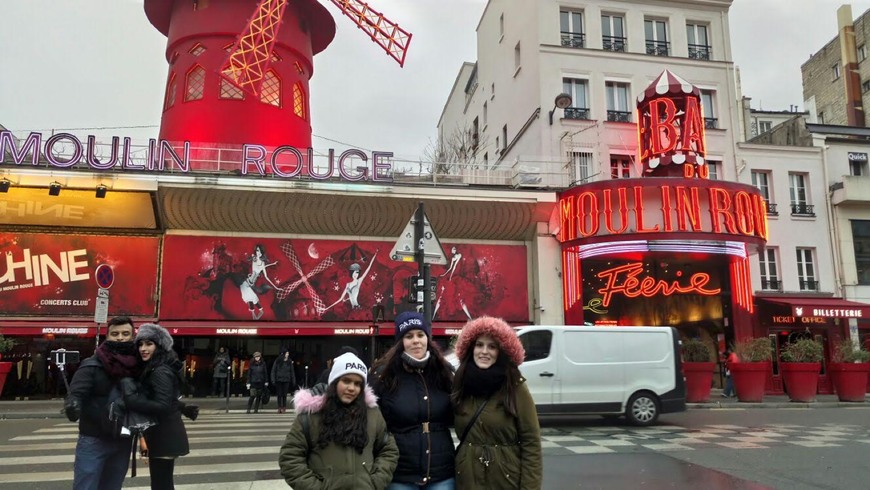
(101, 191)
(54, 189)
(4, 185)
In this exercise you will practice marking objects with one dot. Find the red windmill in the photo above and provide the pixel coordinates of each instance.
(232, 83)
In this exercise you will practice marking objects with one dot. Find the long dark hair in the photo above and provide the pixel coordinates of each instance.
(160, 357)
(345, 425)
(512, 379)
(437, 372)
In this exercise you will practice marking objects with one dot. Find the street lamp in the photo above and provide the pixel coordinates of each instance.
(562, 101)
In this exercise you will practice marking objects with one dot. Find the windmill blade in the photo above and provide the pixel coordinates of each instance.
(251, 54)
(386, 33)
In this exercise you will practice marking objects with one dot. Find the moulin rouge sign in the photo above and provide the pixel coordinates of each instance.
(675, 199)
(283, 161)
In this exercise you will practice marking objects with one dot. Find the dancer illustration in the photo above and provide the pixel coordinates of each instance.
(351, 289)
(454, 261)
(454, 264)
(250, 290)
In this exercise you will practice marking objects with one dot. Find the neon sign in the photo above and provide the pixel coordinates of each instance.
(160, 156)
(627, 281)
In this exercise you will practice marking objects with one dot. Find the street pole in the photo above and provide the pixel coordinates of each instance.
(420, 258)
(97, 338)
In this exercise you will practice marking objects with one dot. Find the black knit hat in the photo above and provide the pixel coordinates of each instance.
(411, 320)
(155, 333)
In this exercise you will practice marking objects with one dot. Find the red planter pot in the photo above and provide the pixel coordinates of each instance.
(850, 380)
(801, 380)
(699, 380)
(5, 367)
(749, 379)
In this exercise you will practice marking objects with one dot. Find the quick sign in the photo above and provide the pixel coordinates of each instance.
(857, 157)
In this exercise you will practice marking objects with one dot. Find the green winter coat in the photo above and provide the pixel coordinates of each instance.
(307, 467)
(512, 445)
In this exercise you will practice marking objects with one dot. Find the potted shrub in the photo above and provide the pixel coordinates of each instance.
(800, 367)
(5, 367)
(750, 374)
(698, 368)
(849, 369)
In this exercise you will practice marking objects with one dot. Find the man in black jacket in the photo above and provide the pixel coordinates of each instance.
(102, 453)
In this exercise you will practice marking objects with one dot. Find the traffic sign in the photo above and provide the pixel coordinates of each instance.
(404, 250)
(105, 276)
(101, 310)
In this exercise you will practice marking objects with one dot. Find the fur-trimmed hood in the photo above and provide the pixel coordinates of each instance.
(508, 342)
(306, 402)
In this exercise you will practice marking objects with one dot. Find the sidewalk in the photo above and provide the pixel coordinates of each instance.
(40, 409)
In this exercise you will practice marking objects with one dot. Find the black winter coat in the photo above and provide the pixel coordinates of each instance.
(405, 410)
(283, 372)
(157, 395)
(91, 386)
(257, 373)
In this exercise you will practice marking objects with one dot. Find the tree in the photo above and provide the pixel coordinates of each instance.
(460, 148)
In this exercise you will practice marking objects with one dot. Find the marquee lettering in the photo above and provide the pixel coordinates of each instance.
(627, 281)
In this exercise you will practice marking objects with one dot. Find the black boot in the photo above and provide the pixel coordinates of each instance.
(251, 402)
(257, 405)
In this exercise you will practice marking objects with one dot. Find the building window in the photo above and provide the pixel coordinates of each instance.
(862, 53)
(836, 71)
(582, 166)
(707, 103)
(486, 160)
(797, 190)
(194, 83)
(861, 242)
(501, 27)
(475, 134)
(576, 88)
(270, 93)
(170, 92)
(617, 102)
(612, 33)
(517, 58)
(656, 37)
(571, 28)
(769, 273)
(699, 47)
(197, 49)
(761, 180)
(806, 270)
(504, 136)
(620, 167)
(715, 169)
(764, 126)
(821, 117)
(230, 91)
(492, 90)
(857, 167)
(865, 86)
(299, 100)
(485, 114)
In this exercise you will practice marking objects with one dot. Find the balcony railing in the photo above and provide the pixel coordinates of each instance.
(771, 284)
(771, 209)
(619, 116)
(613, 43)
(809, 284)
(802, 209)
(711, 123)
(658, 48)
(573, 39)
(699, 52)
(576, 113)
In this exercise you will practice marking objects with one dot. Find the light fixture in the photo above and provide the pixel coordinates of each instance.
(4, 185)
(562, 101)
(54, 189)
(101, 191)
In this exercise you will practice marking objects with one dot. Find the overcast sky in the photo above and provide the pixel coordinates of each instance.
(100, 64)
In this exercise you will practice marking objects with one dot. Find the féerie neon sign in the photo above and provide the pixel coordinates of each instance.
(160, 156)
(627, 281)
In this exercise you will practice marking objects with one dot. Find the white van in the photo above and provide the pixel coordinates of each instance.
(611, 371)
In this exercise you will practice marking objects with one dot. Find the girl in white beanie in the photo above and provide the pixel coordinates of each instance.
(339, 439)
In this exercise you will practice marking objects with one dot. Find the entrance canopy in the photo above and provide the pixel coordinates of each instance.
(822, 307)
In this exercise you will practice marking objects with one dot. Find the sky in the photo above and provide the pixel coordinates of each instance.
(73, 64)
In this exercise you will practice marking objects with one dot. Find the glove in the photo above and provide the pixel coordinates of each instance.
(72, 409)
(117, 410)
(248, 386)
(319, 389)
(267, 384)
(190, 411)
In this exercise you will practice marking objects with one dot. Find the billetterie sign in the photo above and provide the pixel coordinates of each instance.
(65, 150)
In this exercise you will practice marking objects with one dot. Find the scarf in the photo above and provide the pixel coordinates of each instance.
(413, 362)
(484, 382)
(119, 359)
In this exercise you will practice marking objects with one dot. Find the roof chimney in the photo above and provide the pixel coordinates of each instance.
(849, 56)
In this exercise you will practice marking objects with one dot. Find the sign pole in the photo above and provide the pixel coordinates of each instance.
(420, 257)
(97, 338)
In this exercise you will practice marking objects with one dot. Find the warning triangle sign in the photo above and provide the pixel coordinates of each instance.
(404, 249)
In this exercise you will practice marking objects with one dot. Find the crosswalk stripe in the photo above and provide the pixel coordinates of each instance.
(142, 470)
(199, 453)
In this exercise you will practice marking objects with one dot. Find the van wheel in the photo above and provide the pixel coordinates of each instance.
(642, 409)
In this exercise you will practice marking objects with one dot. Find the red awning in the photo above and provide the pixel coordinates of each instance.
(823, 307)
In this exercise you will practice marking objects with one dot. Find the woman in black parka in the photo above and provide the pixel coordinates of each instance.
(413, 382)
(156, 394)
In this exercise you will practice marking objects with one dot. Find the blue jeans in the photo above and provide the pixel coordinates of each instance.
(101, 464)
(729, 386)
(448, 484)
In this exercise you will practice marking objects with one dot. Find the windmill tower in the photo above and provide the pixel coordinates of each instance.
(233, 81)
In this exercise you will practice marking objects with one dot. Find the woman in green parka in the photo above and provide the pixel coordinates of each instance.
(502, 446)
(339, 439)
